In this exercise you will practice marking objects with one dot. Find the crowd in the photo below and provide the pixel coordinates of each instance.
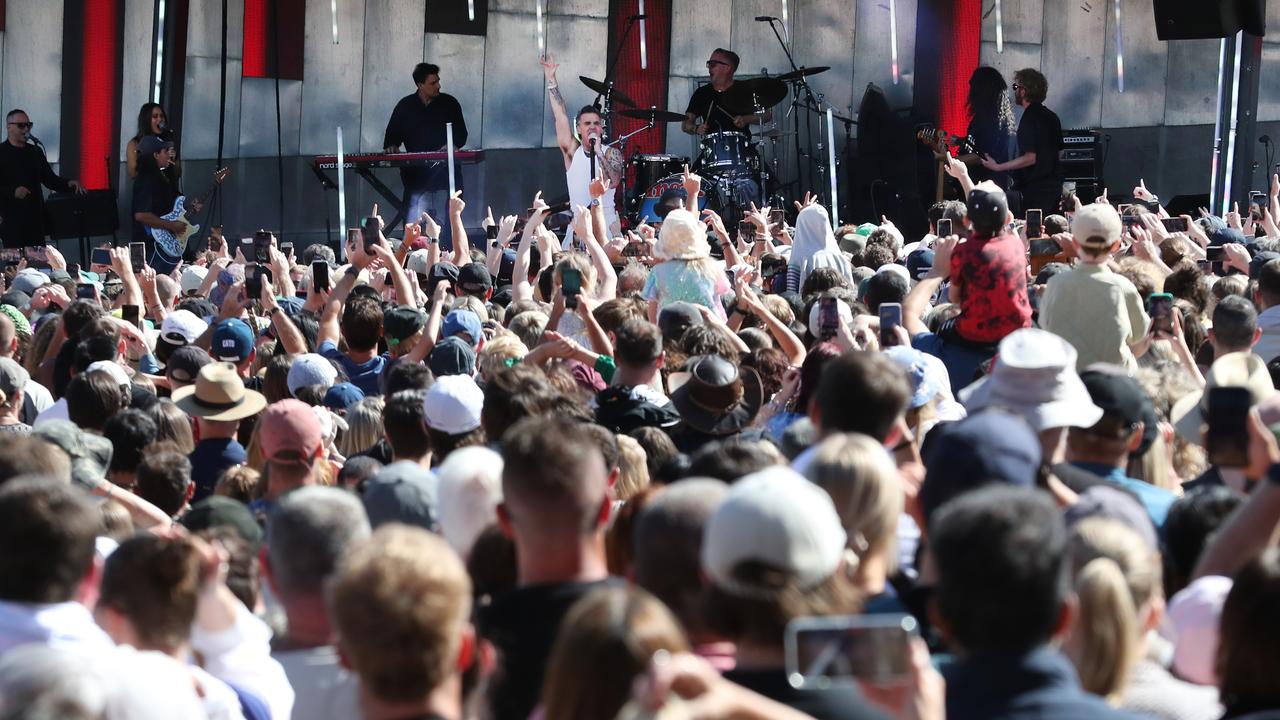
(615, 476)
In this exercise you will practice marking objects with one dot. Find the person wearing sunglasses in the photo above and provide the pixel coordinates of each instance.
(23, 170)
(708, 104)
(1037, 174)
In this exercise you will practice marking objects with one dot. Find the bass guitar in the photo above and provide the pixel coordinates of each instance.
(174, 244)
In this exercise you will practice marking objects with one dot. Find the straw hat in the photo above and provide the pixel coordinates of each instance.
(219, 394)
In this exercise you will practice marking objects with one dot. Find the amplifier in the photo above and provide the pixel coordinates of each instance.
(1081, 156)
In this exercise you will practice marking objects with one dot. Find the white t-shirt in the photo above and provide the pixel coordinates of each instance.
(322, 688)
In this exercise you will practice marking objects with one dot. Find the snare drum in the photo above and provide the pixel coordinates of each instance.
(652, 168)
(648, 211)
(725, 151)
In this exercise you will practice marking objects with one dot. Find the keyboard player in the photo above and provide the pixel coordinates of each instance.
(418, 123)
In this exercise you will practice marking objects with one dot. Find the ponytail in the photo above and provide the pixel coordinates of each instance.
(1105, 635)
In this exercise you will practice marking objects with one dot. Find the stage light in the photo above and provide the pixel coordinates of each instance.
(644, 50)
(999, 29)
(893, 37)
(342, 197)
(1119, 49)
(333, 14)
(542, 38)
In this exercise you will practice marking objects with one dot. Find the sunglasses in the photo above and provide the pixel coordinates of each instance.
(24, 126)
(1016, 86)
(713, 63)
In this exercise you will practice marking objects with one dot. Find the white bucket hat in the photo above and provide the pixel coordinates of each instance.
(682, 237)
(1034, 376)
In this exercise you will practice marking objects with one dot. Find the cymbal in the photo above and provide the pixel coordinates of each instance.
(775, 134)
(604, 89)
(652, 114)
(803, 72)
(744, 94)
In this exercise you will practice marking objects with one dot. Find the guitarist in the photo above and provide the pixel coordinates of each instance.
(991, 123)
(153, 196)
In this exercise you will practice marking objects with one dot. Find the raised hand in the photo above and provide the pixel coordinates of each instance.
(430, 227)
(809, 199)
(692, 184)
(1141, 192)
(456, 204)
(549, 67)
(488, 218)
(599, 188)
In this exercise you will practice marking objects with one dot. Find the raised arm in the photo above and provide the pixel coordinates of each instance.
(521, 289)
(291, 338)
(607, 286)
(564, 133)
(461, 246)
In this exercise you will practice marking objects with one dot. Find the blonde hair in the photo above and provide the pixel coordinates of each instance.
(472, 303)
(863, 483)
(364, 426)
(633, 467)
(1116, 576)
(238, 482)
(401, 650)
(583, 265)
(496, 352)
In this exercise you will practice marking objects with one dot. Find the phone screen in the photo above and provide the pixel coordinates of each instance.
(100, 256)
(1161, 309)
(1044, 246)
(825, 651)
(131, 314)
(253, 284)
(632, 249)
(1176, 224)
(1215, 253)
(571, 286)
(890, 319)
(369, 231)
(491, 232)
(287, 249)
(944, 227)
(1129, 221)
(1035, 219)
(320, 275)
(1226, 437)
(828, 317)
(137, 255)
(777, 216)
(262, 247)
(747, 230)
(85, 291)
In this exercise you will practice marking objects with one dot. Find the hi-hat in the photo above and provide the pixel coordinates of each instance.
(604, 89)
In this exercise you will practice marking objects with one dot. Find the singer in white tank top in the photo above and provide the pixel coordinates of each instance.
(577, 164)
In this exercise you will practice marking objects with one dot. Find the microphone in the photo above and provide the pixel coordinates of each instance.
(1264, 138)
(637, 17)
(31, 138)
(591, 154)
(765, 18)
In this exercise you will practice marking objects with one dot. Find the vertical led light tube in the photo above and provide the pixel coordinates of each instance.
(1231, 130)
(786, 20)
(333, 14)
(542, 38)
(999, 29)
(159, 59)
(1119, 49)
(893, 38)
(644, 46)
(471, 10)
(342, 197)
(1217, 132)
(831, 169)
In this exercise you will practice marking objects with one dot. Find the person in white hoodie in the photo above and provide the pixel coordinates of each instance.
(814, 246)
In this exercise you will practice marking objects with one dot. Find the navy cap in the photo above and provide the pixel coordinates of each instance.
(464, 321)
(989, 446)
(232, 340)
(452, 356)
(342, 396)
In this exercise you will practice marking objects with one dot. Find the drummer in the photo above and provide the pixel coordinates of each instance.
(709, 105)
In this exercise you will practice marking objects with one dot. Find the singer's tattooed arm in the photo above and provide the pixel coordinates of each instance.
(613, 162)
(564, 134)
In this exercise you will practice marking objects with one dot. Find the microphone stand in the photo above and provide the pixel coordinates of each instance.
(811, 103)
(608, 104)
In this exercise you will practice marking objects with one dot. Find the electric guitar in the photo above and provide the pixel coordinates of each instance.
(940, 142)
(174, 244)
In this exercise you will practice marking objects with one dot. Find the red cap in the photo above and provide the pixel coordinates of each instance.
(290, 432)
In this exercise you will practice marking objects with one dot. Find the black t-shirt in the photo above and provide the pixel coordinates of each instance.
(709, 104)
(1040, 132)
(522, 624)
(24, 219)
(152, 193)
(421, 128)
(836, 703)
(992, 139)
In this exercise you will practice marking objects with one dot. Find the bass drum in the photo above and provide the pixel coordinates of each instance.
(652, 168)
(647, 210)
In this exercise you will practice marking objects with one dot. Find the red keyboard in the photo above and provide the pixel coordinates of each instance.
(395, 160)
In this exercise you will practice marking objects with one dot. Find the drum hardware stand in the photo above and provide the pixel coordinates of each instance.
(607, 109)
(621, 144)
(797, 84)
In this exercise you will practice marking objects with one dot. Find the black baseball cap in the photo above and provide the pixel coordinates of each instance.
(401, 323)
(988, 208)
(441, 271)
(474, 278)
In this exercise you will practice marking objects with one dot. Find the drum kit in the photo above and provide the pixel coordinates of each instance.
(730, 163)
